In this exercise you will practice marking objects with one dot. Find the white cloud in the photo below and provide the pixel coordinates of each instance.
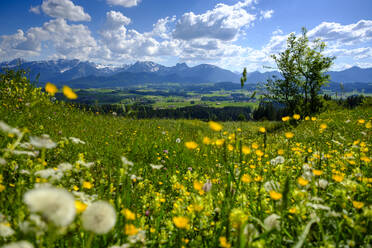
(349, 34)
(115, 19)
(162, 27)
(71, 41)
(223, 23)
(266, 14)
(124, 3)
(64, 9)
(35, 10)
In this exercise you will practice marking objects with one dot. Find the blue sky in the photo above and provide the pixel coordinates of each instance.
(228, 33)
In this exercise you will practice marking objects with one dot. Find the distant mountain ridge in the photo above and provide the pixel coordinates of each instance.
(84, 74)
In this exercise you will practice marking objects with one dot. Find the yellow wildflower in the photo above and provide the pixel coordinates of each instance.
(280, 152)
(181, 222)
(262, 130)
(296, 116)
(246, 150)
(307, 118)
(51, 88)
(289, 135)
(206, 140)
(368, 125)
(338, 178)
(220, 142)
(302, 181)
(275, 195)
(246, 178)
(361, 121)
(230, 147)
(87, 185)
(129, 215)
(323, 126)
(191, 145)
(215, 126)
(358, 204)
(224, 243)
(259, 153)
(67, 91)
(130, 229)
(313, 118)
(317, 172)
(80, 206)
(286, 118)
(198, 185)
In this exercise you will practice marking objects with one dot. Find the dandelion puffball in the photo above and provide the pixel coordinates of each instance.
(19, 244)
(56, 205)
(100, 217)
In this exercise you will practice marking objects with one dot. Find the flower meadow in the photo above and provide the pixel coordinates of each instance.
(73, 178)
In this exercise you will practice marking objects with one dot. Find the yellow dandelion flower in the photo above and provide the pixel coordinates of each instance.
(80, 206)
(259, 153)
(230, 147)
(87, 185)
(67, 91)
(130, 229)
(2, 188)
(368, 125)
(280, 152)
(129, 215)
(338, 178)
(198, 185)
(296, 116)
(365, 159)
(358, 204)
(51, 88)
(181, 222)
(239, 129)
(286, 118)
(361, 121)
(313, 118)
(246, 150)
(275, 195)
(258, 179)
(215, 126)
(246, 178)
(307, 118)
(206, 140)
(292, 210)
(289, 135)
(255, 145)
(191, 145)
(220, 142)
(262, 130)
(317, 172)
(323, 126)
(224, 243)
(302, 181)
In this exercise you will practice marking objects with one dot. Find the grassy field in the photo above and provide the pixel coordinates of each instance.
(106, 181)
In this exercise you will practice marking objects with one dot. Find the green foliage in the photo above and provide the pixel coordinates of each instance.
(302, 67)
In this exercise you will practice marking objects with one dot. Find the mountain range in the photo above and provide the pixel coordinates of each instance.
(84, 74)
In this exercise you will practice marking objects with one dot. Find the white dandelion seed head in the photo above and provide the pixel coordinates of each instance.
(207, 186)
(2, 161)
(126, 161)
(25, 172)
(5, 230)
(43, 141)
(271, 185)
(272, 222)
(77, 140)
(306, 167)
(156, 167)
(8, 129)
(85, 164)
(19, 244)
(65, 167)
(100, 217)
(277, 160)
(56, 205)
(139, 237)
(322, 183)
(178, 140)
(84, 198)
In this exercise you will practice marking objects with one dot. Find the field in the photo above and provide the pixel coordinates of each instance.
(106, 181)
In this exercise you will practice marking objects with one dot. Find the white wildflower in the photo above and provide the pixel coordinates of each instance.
(43, 141)
(2, 161)
(122, 246)
(277, 160)
(139, 237)
(35, 224)
(77, 140)
(8, 129)
(272, 186)
(85, 164)
(25, 172)
(85, 198)
(178, 140)
(156, 167)
(56, 205)
(207, 186)
(18, 244)
(272, 222)
(347, 121)
(26, 145)
(5, 230)
(28, 153)
(134, 177)
(337, 142)
(318, 206)
(100, 217)
(126, 161)
(306, 167)
(52, 174)
(250, 231)
(65, 167)
(322, 183)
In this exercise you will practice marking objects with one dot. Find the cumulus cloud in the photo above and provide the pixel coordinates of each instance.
(35, 10)
(64, 9)
(124, 3)
(266, 14)
(350, 34)
(223, 23)
(72, 41)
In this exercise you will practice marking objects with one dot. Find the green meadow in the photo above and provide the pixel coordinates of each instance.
(73, 178)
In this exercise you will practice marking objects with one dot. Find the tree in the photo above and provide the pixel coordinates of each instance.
(302, 67)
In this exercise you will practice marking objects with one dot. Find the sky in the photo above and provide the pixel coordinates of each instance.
(230, 34)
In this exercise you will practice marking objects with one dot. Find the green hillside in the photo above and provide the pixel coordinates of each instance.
(180, 183)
